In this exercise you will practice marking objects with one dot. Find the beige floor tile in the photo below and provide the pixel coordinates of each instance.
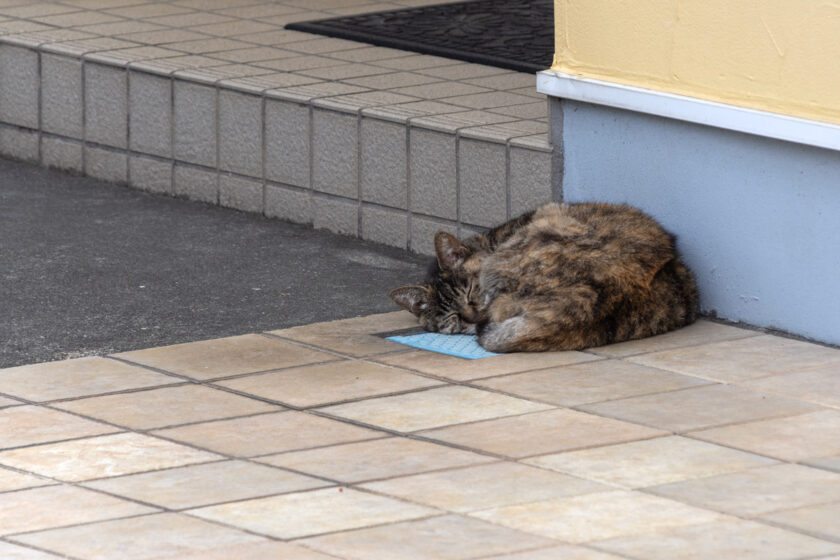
(433, 408)
(102, 456)
(793, 438)
(459, 369)
(701, 332)
(820, 385)
(12, 480)
(10, 551)
(735, 539)
(745, 358)
(831, 463)
(821, 520)
(327, 383)
(354, 337)
(542, 432)
(55, 506)
(598, 516)
(590, 382)
(140, 538)
(144, 410)
(757, 491)
(5, 402)
(311, 513)
(268, 433)
(484, 486)
(562, 551)
(448, 537)
(650, 462)
(252, 551)
(76, 378)
(221, 357)
(702, 407)
(30, 425)
(370, 460)
(210, 483)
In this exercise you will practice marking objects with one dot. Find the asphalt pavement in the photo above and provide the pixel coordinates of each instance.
(90, 268)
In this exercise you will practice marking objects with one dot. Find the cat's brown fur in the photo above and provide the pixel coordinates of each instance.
(562, 277)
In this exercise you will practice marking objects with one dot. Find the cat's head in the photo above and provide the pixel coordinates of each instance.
(447, 301)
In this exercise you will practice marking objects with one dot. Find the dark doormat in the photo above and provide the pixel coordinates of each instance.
(514, 34)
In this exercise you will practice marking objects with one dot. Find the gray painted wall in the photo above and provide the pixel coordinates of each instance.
(758, 220)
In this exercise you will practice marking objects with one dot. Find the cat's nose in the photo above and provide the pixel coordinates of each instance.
(469, 315)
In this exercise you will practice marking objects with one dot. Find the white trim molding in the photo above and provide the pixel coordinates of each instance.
(691, 109)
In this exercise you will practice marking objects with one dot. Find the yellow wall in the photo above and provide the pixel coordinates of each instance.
(775, 55)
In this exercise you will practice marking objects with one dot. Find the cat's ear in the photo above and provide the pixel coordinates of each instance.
(411, 298)
(450, 251)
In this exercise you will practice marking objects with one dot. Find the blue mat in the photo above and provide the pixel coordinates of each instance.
(460, 345)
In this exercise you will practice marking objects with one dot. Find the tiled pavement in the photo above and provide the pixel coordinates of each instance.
(213, 100)
(327, 441)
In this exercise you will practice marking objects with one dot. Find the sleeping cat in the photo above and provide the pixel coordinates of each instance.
(561, 277)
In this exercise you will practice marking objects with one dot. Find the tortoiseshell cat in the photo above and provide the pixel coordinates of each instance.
(561, 277)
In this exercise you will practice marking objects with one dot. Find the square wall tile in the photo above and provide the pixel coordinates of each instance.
(381, 225)
(195, 123)
(287, 143)
(396, 456)
(423, 232)
(222, 357)
(107, 165)
(540, 432)
(448, 537)
(481, 487)
(268, 433)
(149, 174)
(106, 105)
(19, 143)
(432, 408)
(166, 535)
(312, 513)
(102, 456)
(55, 506)
(208, 483)
(384, 171)
(61, 95)
(167, 406)
(530, 179)
(335, 152)
(433, 174)
(328, 383)
(196, 183)
(239, 193)
(76, 378)
(19, 96)
(650, 462)
(150, 114)
(240, 133)
(293, 205)
(338, 215)
(61, 154)
(482, 171)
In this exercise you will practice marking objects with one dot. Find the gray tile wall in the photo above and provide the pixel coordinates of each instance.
(384, 180)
